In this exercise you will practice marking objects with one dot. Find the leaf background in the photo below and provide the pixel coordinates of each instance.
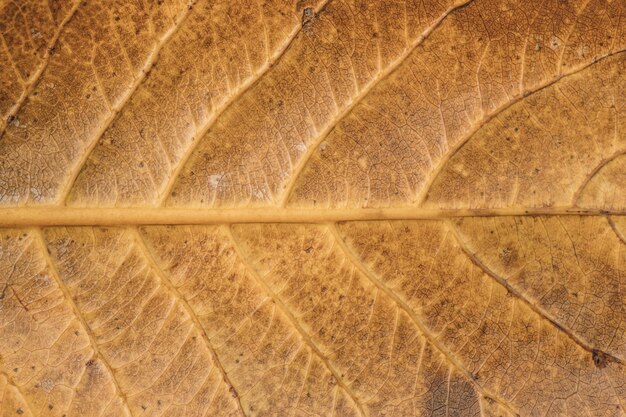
(342, 208)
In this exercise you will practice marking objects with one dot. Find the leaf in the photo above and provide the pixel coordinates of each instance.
(313, 208)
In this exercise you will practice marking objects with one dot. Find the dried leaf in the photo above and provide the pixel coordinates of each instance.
(296, 208)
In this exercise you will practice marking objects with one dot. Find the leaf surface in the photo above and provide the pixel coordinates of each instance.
(301, 208)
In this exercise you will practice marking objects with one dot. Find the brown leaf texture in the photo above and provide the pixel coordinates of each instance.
(313, 208)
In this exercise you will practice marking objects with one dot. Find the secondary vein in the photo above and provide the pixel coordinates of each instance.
(139, 80)
(472, 132)
(32, 82)
(243, 89)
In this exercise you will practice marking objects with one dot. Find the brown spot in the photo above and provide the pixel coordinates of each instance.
(601, 359)
(509, 256)
(308, 15)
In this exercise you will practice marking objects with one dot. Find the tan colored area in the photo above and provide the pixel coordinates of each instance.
(313, 208)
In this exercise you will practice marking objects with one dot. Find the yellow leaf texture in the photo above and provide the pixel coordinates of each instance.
(299, 208)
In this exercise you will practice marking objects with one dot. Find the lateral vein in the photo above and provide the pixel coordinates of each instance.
(34, 79)
(482, 123)
(115, 112)
(386, 73)
(294, 322)
(244, 88)
(518, 295)
(149, 257)
(402, 305)
(40, 241)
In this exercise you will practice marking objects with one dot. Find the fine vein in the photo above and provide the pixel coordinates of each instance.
(470, 134)
(10, 381)
(40, 70)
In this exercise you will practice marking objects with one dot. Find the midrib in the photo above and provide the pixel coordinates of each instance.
(64, 216)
